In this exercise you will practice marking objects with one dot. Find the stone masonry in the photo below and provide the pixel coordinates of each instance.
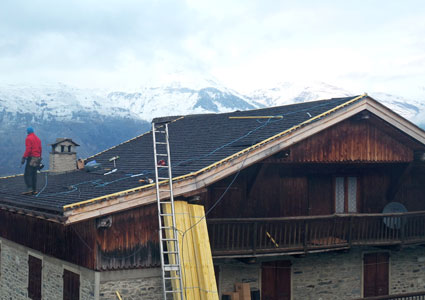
(233, 271)
(407, 270)
(14, 275)
(321, 276)
(333, 275)
(136, 284)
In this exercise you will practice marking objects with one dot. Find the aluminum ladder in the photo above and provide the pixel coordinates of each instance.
(172, 283)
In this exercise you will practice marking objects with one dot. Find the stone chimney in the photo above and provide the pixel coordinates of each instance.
(63, 157)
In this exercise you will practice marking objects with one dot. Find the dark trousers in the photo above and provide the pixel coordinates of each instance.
(30, 176)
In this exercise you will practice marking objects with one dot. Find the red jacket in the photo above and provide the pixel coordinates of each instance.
(32, 146)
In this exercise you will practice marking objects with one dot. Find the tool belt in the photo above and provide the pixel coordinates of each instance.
(35, 162)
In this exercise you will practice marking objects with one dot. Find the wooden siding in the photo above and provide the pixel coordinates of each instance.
(285, 190)
(131, 242)
(73, 243)
(350, 141)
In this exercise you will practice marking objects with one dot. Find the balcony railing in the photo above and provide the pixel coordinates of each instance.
(259, 236)
(408, 296)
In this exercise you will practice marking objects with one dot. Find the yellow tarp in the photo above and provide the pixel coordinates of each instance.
(195, 252)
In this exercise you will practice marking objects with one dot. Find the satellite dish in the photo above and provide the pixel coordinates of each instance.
(393, 222)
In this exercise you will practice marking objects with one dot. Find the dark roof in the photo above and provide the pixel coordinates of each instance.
(196, 141)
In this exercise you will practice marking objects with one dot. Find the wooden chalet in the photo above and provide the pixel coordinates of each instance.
(318, 200)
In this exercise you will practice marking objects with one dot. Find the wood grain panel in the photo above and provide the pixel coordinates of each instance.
(350, 141)
(74, 243)
(131, 241)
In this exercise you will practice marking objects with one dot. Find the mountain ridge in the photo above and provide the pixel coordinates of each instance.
(98, 119)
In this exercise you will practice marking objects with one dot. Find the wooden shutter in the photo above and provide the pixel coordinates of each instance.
(276, 280)
(376, 274)
(34, 277)
(71, 285)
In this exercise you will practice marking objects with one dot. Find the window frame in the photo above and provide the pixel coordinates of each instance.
(345, 205)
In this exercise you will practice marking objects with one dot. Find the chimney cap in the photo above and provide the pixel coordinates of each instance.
(60, 140)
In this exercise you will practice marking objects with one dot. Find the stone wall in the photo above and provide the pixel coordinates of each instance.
(333, 275)
(143, 284)
(62, 162)
(14, 275)
(14, 270)
(327, 276)
(233, 271)
(407, 270)
(321, 276)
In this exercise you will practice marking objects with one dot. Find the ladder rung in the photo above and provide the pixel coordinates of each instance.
(162, 166)
(171, 267)
(170, 240)
(163, 178)
(166, 227)
(173, 291)
(165, 215)
(171, 278)
(170, 252)
(159, 131)
(160, 154)
(161, 143)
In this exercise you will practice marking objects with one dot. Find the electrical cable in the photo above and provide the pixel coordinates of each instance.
(214, 205)
(148, 172)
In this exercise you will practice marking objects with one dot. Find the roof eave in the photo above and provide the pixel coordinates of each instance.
(193, 181)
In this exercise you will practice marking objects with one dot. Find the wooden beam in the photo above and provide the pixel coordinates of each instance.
(195, 193)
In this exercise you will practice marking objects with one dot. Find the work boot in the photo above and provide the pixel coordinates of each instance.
(29, 191)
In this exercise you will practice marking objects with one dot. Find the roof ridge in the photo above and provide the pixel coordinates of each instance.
(136, 189)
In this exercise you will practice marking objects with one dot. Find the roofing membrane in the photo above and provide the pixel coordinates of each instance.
(197, 143)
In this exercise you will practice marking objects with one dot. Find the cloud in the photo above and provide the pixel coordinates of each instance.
(245, 44)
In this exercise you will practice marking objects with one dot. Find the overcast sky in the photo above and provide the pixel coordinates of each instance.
(362, 45)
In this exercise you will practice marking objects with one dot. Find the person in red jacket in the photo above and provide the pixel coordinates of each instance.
(32, 156)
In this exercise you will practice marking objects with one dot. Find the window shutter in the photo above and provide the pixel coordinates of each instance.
(34, 277)
(71, 285)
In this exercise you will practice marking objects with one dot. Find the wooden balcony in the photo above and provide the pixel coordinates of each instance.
(408, 296)
(308, 234)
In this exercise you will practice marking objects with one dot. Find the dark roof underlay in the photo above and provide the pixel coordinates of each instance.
(196, 141)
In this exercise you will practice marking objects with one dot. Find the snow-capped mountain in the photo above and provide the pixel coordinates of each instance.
(98, 119)
(295, 92)
(288, 92)
(62, 102)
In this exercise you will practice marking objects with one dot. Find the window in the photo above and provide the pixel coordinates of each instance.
(375, 274)
(71, 285)
(346, 194)
(34, 277)
(69, 148)
(62, 148)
